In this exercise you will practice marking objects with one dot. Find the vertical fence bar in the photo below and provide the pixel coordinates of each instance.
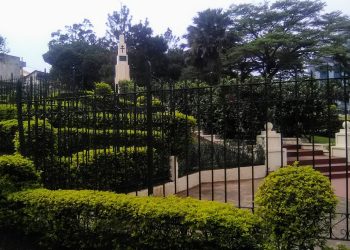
(149, 131)
(346, 157)
(211, 121)
(20, 116)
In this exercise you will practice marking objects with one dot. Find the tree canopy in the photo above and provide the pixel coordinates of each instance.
(264, 40)
(3, 47)
(269, 38)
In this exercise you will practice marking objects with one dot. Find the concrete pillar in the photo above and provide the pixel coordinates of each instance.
(342, 141)
(271, 143)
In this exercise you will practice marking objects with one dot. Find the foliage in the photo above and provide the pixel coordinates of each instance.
(274, 37)
(204, 155)
(142, 45)
(7, 112)
(121, 170)
(39, 141)
(78, 57)
(8, 129)
(126, 86)
(3, 47)
(296, 204)
(16, 173)
(72, 140)
(207, 39)
(103, 89)
(102, 220)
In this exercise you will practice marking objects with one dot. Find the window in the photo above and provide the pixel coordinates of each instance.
(122, 58)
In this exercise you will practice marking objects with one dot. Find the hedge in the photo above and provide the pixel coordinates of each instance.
(16, 173)
(40, 138)
(7, 112)
(72, 140)
(122, 170)
(67, 219)
(8, 131)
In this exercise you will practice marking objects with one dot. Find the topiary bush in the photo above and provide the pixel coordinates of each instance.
(8, 131)
(295, 204)
(40, 140)
(16, 173)
(7, 112)
(122, 170)
(85, 219)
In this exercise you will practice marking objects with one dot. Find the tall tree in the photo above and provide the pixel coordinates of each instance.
(335, 41)
(3, 46)
(274, 37)
(142, 45)
(207, 38)
(119, 22)
(78, 56)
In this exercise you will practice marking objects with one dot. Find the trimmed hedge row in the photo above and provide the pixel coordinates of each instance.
(16, 173)
(102, 220)
(39, 138)
(7, 112)
(122, 171)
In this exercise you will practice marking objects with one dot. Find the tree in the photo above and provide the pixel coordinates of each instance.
(118, 23)
(142, 45)
(207, 38)
(335, 41)
(78, 56)
(3, 47)
(274, 37)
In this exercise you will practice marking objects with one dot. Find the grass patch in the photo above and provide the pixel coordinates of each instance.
(323, 140)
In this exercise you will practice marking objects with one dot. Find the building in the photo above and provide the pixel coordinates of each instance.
(11, 67)
(36, 77)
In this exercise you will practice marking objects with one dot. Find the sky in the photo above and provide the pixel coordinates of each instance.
(27, 25)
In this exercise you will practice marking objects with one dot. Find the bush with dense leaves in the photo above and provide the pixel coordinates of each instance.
(69, 219)
(39, 142)
(7, 112)
(8, 129)
(122, 170)
(296, 204)
(16, 173)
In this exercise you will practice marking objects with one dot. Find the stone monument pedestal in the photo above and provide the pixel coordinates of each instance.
(271, 142)
(342, 142)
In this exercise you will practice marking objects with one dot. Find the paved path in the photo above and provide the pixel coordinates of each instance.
(242, 194)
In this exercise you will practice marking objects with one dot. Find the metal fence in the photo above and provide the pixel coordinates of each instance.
(208, 142)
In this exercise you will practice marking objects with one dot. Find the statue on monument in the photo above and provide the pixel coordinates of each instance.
(122, 70)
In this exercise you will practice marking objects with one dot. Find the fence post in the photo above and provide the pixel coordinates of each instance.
(20, 116)
(149, 129)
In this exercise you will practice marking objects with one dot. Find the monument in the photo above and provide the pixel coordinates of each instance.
(122, 71)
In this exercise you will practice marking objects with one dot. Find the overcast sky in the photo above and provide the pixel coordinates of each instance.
(27, 25)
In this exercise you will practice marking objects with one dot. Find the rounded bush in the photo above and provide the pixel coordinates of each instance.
(16, 173)
(295, 204)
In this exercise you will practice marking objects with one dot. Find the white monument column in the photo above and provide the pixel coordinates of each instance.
(274, 150)
(342, 142)
(122, 71)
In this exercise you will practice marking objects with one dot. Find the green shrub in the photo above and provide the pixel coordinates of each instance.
(296, 204)
(73, 140)
(7, 112)
(103, 89)
(215, 156)
(40, 140)
(16, 173)
(122, 170)
(8, 129)
(102, 220)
